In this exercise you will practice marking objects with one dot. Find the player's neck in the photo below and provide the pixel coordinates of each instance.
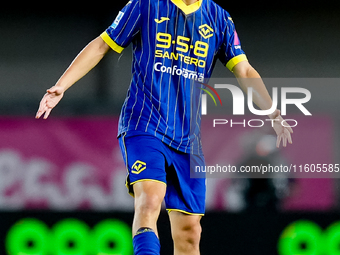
(189, 2)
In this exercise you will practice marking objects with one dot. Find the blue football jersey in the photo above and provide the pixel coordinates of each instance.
(175, 48)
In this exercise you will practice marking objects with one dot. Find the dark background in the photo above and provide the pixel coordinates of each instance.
(297, 39)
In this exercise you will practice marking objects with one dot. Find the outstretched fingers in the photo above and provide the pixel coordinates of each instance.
(285, 137)
(284, 140)
(42, 107)
(47, 113)
(290, 140)
(290, 130)
(278, 141)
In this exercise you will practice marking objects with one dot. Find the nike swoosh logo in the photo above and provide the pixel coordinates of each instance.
(161, 20)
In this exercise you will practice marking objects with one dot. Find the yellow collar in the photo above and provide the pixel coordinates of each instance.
(187, 9)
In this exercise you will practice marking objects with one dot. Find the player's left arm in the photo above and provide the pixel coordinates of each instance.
(247, 76)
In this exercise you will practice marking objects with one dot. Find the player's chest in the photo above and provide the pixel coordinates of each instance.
(185, 34)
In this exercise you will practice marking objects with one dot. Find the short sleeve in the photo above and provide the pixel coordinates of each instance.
(231, 52)
(126, 25)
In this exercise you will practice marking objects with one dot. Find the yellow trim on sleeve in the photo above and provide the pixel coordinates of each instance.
(111, 42)
(181, 211)
(187, 9)
(235, 60)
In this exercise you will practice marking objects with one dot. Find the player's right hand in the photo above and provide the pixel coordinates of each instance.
(49, 101)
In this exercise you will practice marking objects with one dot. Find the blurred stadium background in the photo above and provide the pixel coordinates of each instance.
(70, 167)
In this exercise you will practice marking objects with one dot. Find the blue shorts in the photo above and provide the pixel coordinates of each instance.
(148, 158)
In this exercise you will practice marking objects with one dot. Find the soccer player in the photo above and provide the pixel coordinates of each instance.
(175, 42)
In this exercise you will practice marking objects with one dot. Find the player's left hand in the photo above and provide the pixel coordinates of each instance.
(283, 132)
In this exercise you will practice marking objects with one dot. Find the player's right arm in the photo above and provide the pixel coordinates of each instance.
(118, 36)
(87, 59)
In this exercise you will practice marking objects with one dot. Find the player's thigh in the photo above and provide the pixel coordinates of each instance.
(185, 227)
(149, 195)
